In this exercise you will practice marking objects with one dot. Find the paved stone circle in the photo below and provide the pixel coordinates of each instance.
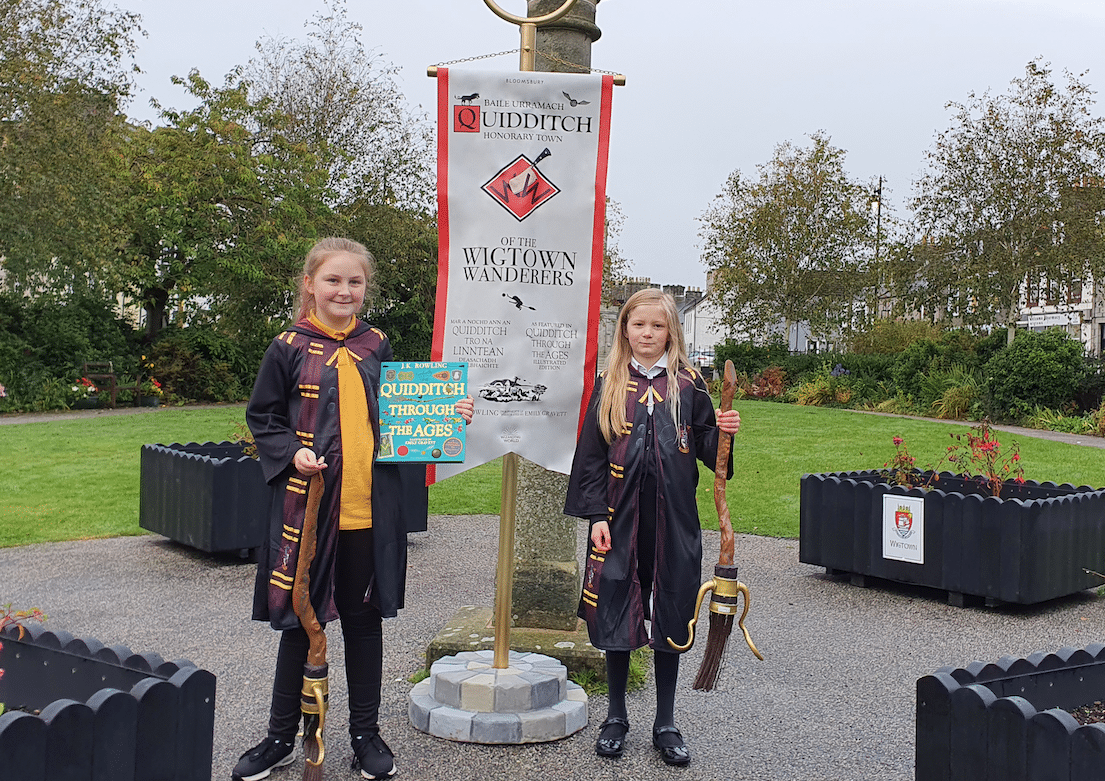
(466, 699)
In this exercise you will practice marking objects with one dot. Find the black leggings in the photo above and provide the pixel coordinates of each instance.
(666, 667)
(363, 635)
(666, 664)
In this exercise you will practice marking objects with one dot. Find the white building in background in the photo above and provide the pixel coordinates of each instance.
(1077, 307)
(703, 328)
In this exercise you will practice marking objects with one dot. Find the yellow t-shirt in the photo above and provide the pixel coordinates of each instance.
(357, 442)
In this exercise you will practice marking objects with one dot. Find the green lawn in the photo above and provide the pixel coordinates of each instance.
(78, 478)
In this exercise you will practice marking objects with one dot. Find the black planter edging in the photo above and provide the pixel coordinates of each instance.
(104, 714)
(1009, 719)
(214, 498)
(1028, 546)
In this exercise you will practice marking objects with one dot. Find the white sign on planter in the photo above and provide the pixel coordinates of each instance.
(903, 528)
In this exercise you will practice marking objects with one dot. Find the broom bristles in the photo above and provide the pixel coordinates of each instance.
(721, 626)
(311, 749)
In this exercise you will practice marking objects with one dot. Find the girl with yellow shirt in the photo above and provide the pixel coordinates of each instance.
(314, 408)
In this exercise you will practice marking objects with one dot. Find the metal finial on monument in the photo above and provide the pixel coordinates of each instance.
(528, 27)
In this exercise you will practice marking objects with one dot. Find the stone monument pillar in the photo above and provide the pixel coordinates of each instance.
(565, 45)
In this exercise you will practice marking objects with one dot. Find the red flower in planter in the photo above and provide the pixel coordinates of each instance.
(977, 457)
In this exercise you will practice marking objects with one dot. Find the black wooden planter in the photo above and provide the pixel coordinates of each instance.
(101, 714)
(1008, 720)
(211, 496)
(1028, 546)
(214, 497)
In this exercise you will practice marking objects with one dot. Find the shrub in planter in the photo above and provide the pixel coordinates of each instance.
(978, 533)
(79, 709)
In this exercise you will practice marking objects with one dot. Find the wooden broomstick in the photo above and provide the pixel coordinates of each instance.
(316, 687)
(725, 586)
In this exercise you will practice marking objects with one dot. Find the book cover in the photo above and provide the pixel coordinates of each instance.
(419, 422)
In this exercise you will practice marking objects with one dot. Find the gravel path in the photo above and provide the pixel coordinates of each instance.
(833, 700)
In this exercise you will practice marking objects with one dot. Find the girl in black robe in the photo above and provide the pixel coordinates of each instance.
(314, 408)
(634, 477)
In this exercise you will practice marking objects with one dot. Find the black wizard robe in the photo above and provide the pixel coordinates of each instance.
(605, 484)
(295, 404)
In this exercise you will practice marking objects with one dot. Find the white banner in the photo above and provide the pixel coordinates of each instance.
(521, 215)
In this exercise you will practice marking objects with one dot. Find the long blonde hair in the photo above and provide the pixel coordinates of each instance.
(611, 414)
(323, 250)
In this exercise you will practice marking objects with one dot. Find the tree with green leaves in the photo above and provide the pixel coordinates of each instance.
(222, 208)
(794, 244)
(340, 100)
(1012, 196)
(66, 70)
(404, 244)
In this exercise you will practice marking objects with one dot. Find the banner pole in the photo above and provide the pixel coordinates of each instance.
(504, 575)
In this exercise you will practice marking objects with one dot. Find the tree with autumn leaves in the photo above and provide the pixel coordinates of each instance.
(1008, 211)
(1011, 200)
(793, 244)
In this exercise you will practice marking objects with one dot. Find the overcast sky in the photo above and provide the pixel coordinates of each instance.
(712, 85)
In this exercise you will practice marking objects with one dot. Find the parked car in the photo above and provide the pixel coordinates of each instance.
(702, 358)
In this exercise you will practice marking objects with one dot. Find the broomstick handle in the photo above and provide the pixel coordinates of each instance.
(315, 692)
(721, 469)
(301, 589)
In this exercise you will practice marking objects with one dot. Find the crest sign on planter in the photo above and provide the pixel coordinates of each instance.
(903, 528)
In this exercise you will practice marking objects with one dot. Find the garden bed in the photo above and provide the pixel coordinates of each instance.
(79, 709)
(1033, 544)
(1009, 719)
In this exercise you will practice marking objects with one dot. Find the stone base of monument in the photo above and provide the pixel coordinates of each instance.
(471, 629)
(468, 700)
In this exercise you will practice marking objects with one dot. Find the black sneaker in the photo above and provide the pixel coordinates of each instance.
(260, 760)
(372, 755)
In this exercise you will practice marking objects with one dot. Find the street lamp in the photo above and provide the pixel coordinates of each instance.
(876, 204)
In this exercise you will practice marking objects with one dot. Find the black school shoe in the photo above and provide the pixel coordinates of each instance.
(611, 742)
(372, 755)
(263, 758)
(669, 742)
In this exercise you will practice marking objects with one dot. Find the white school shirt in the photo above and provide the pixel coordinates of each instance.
(657, 369)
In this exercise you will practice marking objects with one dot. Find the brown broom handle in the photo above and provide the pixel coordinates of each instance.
(721, 469)
(301, 589)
